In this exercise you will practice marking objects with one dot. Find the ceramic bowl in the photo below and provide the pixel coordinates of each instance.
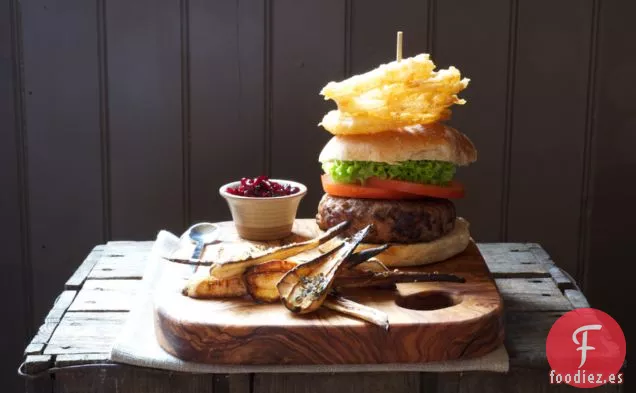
(264, 219)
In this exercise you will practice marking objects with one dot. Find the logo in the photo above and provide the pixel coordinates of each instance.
(586, 348)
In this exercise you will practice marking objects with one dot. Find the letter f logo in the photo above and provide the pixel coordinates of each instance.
(584, 347)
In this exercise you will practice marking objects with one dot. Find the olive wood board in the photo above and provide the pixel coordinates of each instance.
(431, 321)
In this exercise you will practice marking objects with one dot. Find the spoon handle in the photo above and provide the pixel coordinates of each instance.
(197, 250)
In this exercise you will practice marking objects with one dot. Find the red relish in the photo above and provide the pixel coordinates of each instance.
(261, 187)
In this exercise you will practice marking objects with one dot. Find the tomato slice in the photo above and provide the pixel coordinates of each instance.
(452, 190)
(364, 192)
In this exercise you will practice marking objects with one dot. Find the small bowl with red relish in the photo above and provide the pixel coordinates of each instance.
(263, 208)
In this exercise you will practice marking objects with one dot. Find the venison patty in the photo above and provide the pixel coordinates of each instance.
(394, 221)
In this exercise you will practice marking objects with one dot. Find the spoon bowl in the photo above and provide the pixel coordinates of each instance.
(202, 234)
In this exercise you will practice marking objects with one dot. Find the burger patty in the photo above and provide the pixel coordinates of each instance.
(394, 221)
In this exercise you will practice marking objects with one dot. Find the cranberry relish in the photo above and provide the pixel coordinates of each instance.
(261, 187)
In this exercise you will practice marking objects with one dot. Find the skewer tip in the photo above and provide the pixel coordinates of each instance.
(398, 48)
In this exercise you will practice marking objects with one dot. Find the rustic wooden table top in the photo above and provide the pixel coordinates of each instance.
(71, 349)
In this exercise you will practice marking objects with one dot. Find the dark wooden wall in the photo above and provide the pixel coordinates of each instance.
(119, 118)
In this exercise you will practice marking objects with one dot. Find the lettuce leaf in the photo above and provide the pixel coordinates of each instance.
(427, 172)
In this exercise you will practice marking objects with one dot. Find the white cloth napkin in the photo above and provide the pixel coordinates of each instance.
(137, 345)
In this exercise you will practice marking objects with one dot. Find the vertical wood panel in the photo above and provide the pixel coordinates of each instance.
(373, 29)
(548, 133)
(308, 52)
(227, 108)
(12, 283)
(144, 84)
(480, 51)
(63, 139)
(612, 213)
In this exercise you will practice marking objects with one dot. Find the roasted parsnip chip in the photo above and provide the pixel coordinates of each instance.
(236, 268)
(304, 288)
(357, 310)
(261, 280)
(211, 287)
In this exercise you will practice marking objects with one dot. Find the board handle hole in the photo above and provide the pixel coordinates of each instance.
(428, 301)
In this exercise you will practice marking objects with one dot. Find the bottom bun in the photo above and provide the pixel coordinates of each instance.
(417, 254)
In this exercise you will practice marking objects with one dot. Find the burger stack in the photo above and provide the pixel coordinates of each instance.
(392, 160)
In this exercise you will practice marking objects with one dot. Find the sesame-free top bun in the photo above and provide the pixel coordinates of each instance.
(436, 142)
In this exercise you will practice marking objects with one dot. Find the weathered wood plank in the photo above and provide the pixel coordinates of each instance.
(106, 295)
(513, 260)
(122, 260)
(354, 382)
(531, 294)
(34, 349)
(42, 384)
(116, 246)
(440, 382)
(38, 380)
(62, 304)
(34, 364)
(86, 332)
(577, 298)
(121, 265)
(45, 331)
(232, 383)
(561, 278)
(519, 381)
(526, 333)
(127, 379)
(65, 360)
(80, 275)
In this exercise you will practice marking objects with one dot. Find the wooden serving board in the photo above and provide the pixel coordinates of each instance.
(428, 321)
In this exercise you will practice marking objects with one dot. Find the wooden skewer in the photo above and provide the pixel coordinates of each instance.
(398, 48)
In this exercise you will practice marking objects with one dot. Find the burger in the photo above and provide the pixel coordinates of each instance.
(402, 182)
(392, 160)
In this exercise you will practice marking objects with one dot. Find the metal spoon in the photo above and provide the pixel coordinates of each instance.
(202, 234)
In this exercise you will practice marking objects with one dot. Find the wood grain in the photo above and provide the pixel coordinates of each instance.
(548, 126)
(105, 295)
(514, 260)
(480, 51)
(145, 117)
(315, 383)
(526, 334)
(237, 331)
(79, 276)
(131, 380)
(532, 294)
(373, 27)
(523, 381)
(85, 332)
(226, 57)
(121, 259)
(300, 68)
(610, 233)
(64, 178)
(14, 264)
(526, 331)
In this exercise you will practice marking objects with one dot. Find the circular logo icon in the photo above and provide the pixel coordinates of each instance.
(585, 348)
